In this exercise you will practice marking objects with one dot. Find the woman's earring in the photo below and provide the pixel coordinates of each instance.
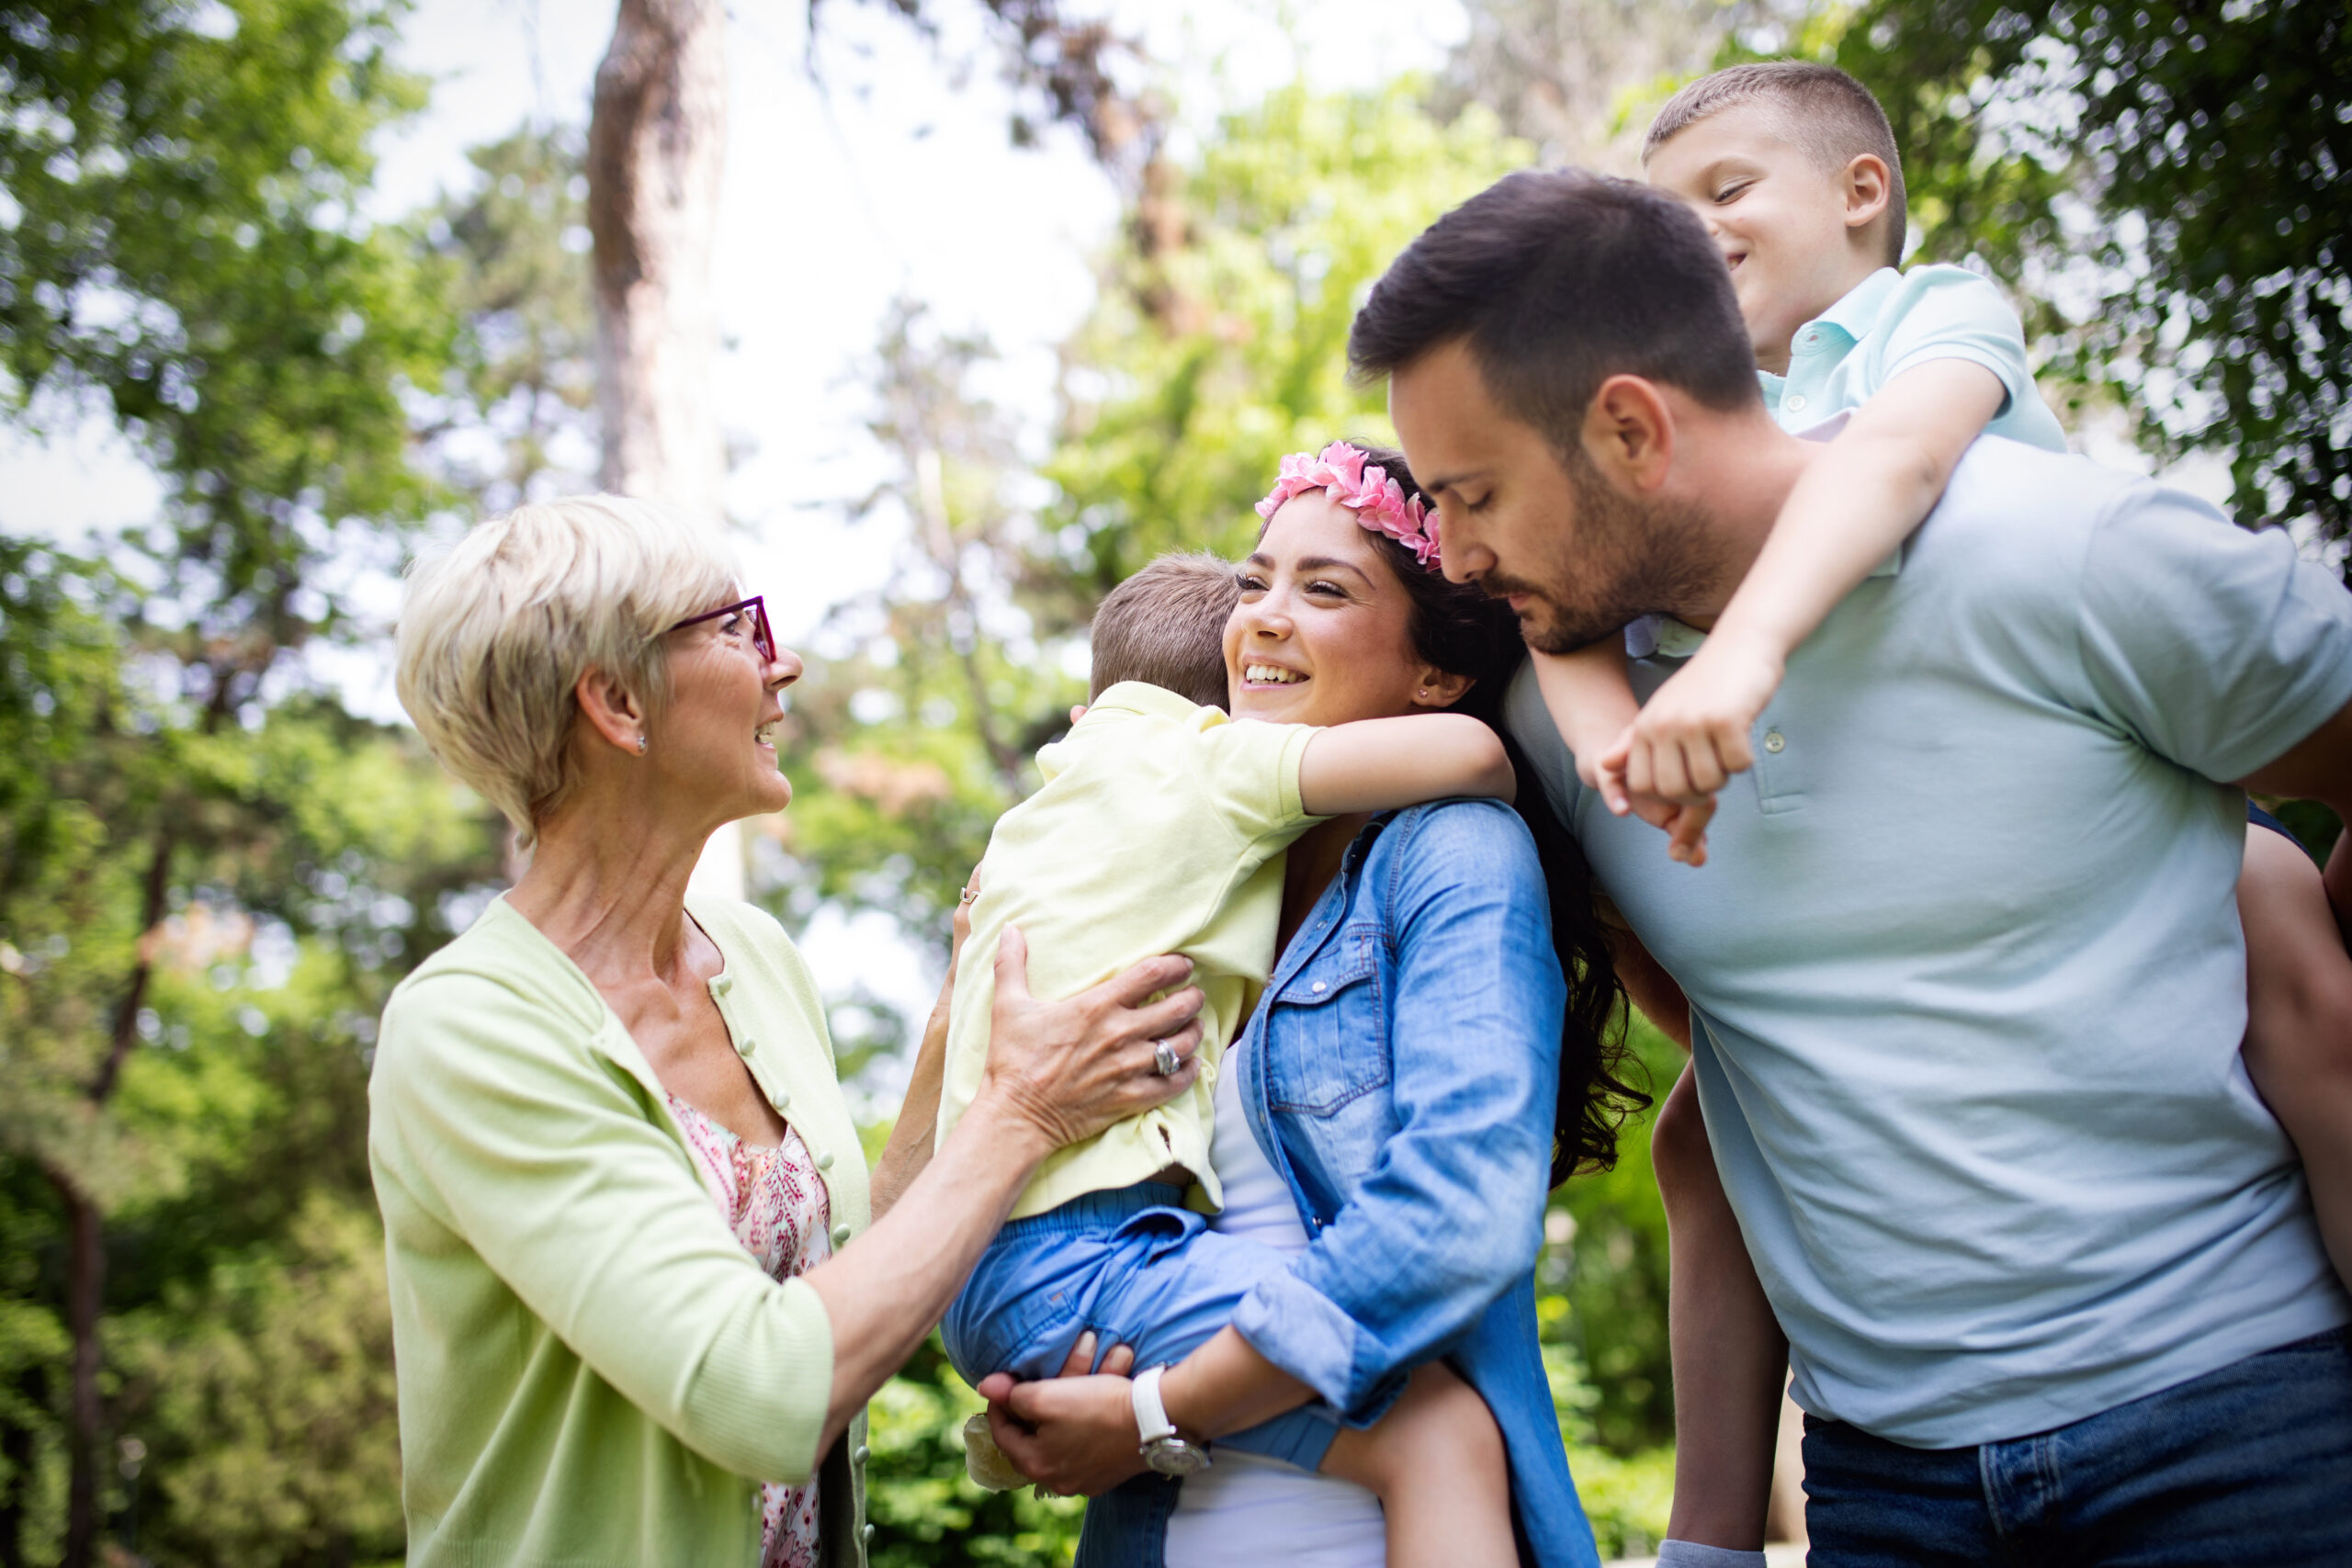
(641, 745)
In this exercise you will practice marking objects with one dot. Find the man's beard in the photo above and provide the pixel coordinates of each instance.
(1628, 558)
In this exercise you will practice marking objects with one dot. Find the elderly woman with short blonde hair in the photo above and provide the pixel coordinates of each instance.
(637, 1309)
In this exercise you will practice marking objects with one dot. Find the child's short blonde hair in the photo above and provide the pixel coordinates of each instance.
(496, 633)
(1834, 118)
(1165, 625)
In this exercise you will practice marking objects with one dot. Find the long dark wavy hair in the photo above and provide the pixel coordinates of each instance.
(1462, 631)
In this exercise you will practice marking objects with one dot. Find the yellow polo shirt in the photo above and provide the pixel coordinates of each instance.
(1159, 829)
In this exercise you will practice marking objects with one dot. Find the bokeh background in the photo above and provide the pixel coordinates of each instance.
(998, 298)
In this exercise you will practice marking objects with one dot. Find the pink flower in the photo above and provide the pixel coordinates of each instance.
(1365, 489)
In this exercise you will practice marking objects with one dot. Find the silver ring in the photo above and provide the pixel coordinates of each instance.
(1163, 1059)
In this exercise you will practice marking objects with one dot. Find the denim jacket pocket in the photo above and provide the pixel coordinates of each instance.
(1331, 1020)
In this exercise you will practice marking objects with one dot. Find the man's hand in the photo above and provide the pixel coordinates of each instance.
(1073, 1434)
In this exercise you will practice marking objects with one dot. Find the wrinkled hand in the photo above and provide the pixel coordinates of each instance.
(1071, 1068)
(1073, 1434)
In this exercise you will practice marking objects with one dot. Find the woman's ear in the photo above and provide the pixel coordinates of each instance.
(612, 710)
(1440, 688)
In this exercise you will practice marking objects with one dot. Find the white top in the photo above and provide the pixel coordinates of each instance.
(1244, 1508)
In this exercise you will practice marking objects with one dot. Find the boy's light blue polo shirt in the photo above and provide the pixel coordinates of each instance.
(1892, 322)
(1966, 978)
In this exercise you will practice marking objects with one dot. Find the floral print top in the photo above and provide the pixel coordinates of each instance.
(776, 1203)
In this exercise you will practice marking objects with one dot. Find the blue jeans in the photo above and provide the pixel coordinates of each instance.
(1137, 1269)
(2252, 1463)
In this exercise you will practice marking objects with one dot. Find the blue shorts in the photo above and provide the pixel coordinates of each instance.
(1137, 1269)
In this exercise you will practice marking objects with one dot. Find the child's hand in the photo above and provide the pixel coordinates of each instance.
(1691, 735)
(1684, 824)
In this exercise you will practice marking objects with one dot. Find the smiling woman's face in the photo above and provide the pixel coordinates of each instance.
(1323, 633)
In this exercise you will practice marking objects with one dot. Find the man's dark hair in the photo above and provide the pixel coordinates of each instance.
(1165, 625)
(1560, 279)
(1828, 114)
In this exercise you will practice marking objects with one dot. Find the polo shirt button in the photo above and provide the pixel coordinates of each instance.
(841, 1235)
(1794, 402)
(825, 1160)
(1774, 741)
(862, 1454)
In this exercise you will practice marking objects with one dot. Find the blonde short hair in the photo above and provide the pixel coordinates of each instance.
(1834, 118)
(497, 633)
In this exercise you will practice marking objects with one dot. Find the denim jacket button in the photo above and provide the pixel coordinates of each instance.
(1317, 987)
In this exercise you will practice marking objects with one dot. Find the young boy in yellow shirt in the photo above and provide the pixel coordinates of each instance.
(1161, 827)
(1793, 168)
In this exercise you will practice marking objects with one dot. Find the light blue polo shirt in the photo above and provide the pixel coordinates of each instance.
(1892, 322)
(1966, 978)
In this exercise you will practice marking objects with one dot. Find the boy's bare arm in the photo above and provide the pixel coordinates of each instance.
(1860, 499)
(1591, 704)
(1589, 699)
(2298, 1023)
(1380, 765)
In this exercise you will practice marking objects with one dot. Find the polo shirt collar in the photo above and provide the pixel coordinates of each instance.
(1143, 698)
(1858, 311)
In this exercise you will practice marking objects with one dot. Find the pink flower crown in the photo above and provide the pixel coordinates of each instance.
(1378, 502)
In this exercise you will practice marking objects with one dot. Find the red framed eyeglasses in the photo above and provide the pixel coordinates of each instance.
(761, 638)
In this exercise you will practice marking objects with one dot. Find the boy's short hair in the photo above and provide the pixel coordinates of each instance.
(1165, 625)
(1556, 280)
(1834, 118)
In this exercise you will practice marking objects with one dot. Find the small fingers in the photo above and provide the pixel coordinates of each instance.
(1119, 1360)
(994, 1387)
(1707, 772)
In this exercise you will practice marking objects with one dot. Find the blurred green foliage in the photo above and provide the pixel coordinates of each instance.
(2165, 183)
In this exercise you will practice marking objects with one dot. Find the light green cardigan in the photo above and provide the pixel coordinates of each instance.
(593, 1372)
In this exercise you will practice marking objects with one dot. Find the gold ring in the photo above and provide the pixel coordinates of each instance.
(968, 893)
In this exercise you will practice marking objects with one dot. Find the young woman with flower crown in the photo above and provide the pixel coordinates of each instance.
(1415, 1076)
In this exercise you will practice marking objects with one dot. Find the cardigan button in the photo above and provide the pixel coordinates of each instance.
(869, 1535)
(825, 1160)
(841, 1235)
(783, 1099)
(745, 1045)
(862, 1454)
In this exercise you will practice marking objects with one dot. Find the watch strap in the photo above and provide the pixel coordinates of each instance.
(1152, 1423)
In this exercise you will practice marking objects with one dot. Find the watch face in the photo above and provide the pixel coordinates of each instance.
(1174, 1455)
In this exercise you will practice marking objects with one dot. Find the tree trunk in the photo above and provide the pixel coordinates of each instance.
(657, 143)
(86, 1274)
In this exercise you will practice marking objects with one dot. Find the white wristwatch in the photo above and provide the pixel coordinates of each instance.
(1161, 1448)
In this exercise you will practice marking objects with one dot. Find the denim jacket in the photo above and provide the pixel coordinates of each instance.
(1407, 1058)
